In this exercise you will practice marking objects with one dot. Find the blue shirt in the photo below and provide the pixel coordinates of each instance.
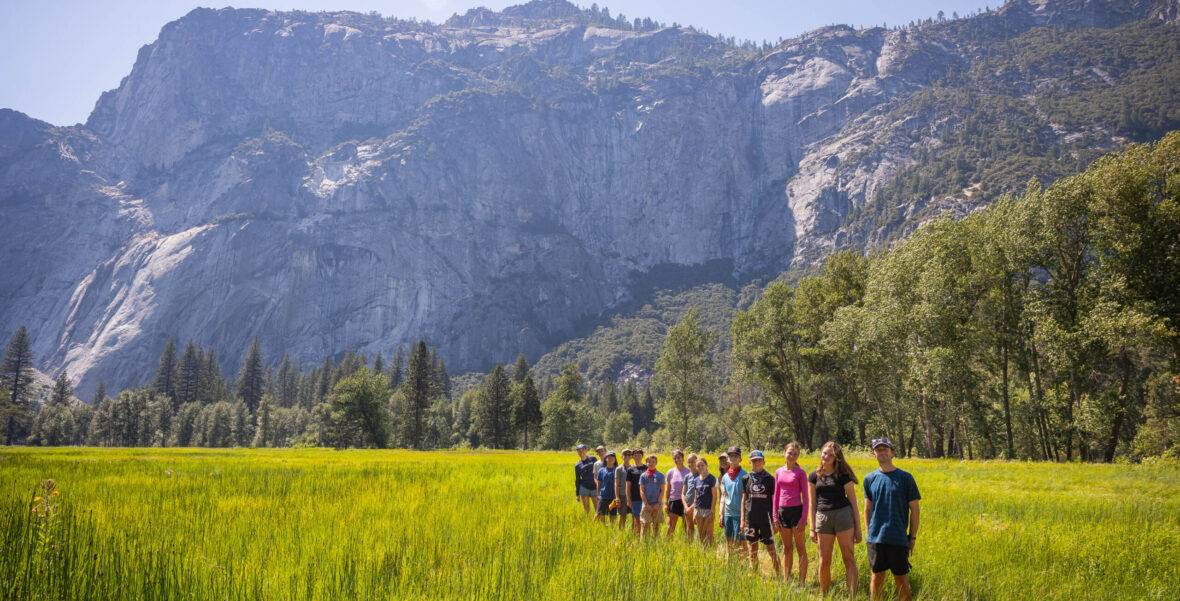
(606, 483)
(690, 489)
(651, 486)
(704, 494)
(733, 493)
(890, 493)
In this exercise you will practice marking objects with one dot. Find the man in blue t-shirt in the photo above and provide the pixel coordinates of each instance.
(731, 502)
(891, 514)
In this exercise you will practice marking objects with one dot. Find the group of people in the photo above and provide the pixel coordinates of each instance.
(753, 506)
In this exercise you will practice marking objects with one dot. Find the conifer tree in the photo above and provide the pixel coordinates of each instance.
(100, 393)
(419, 388)
(165, 382)
(63, 389)
(189, 380)
(17, 377)
(520, 369)
(250, 379)
(493, 412)
(526, 412)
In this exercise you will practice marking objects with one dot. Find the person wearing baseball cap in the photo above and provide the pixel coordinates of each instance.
(758, 510)
(731, 502)
(891, 516)
(584, 484)
(621, 488)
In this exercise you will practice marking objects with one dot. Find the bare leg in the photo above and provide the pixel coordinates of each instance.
(903, 587)
(689, 522)
(801, 548)
(585, 503)
(826, 541)
(672, 519)
(787, 536)
(877, 586)
(846, 552)
(752, 547)
(778, 573)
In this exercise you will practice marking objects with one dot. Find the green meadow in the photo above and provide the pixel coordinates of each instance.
(320, 524)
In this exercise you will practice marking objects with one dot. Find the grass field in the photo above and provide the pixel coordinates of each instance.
(320, 524)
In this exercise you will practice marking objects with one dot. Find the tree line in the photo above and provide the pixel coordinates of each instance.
(1044, 327)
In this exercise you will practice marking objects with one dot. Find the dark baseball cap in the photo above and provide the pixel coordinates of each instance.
(609, 454)
(756, 455)
(581, 447)
(882, 441)
(734, 451)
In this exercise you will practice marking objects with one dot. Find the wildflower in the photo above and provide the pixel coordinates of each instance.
(55, 493)
(38, 500)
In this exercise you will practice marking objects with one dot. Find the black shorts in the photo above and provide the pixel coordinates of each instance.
(676, 507)
(788, 517)
(758, 530)
(604, 508)
(889, 557)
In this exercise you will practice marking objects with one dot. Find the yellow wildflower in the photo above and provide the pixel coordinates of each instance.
(38, 500)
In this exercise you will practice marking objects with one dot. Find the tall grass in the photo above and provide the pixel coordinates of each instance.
(318, 524)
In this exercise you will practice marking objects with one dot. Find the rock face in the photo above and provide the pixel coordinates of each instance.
(332, 181)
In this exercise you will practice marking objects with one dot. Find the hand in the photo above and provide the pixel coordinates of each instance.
(856, 536)
(743, 526)
(913, 543)
(815, 537)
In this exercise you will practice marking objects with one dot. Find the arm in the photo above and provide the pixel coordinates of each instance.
(868, 512)
(643, 490)
(811, 512)
(804, 496)
(914, 513)
(774, 510)
(850, 492)
(743, 503)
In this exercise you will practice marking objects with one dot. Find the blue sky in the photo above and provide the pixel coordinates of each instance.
(59, 55)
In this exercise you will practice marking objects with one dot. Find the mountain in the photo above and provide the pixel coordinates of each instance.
(504, 181)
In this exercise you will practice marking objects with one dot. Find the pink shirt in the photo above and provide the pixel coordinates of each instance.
(790, 490)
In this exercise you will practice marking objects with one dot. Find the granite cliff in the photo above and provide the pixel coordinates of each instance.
(324, 181)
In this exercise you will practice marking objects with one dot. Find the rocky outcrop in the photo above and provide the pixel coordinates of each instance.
(333, 180)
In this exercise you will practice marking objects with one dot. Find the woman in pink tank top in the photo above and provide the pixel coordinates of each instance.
(790, 502)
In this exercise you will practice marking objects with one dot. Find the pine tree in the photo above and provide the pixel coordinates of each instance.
(250, 379)
(100, 393)
(493, 412)
(648, 409)
(63, 389)
(526, 412)
(17, 377)
(378, 364)
(288, 382)
(189, 381)
(324, 385)
(165, 382)
(631, 406)
(397, 368)
(419, 388)
(560, 414)
(520, 369)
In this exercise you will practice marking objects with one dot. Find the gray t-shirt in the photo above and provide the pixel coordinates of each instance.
(621, 483)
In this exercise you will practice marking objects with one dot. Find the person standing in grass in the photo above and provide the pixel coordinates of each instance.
(790, 500)
(834, 518)
(606, 490)
(624, 505)
(651, 487)
(690, 492)
(758, 511)
(676, 487)
(633, 497)
(705, 502)
(731, 496)
(584, 478)
(891, 520)
(598, 465)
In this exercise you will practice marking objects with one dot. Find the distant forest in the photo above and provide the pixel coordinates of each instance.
(1044, 327)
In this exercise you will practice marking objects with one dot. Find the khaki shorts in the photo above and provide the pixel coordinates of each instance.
(836, 520)
(652, 514)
